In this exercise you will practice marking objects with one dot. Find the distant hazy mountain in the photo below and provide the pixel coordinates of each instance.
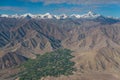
(50, 16)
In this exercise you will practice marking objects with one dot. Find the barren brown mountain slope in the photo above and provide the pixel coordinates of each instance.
(96, 44)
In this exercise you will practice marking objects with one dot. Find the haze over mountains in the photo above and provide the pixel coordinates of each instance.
(95, 40)
(90, 14)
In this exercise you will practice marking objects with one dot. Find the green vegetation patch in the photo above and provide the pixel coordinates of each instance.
(54, 63)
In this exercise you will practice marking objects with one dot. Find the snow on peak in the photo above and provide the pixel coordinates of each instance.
(90, 14)
(27, 15)
(63, 16)
(75, 16)
(4, 15)
(47, 16)
(15, 16)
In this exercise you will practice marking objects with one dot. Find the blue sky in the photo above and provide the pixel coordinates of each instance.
(104, 7)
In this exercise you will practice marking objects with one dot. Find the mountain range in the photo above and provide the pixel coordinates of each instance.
(93, 38)
(90, 14)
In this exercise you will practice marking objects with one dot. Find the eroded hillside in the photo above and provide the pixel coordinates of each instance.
(95, 42)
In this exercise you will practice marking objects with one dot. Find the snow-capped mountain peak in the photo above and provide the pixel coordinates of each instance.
(15, 16)
(91, 13)
(88, 15)
(47, 16)
(4, 15)
(63, 16)
(75, 16)
(27, 15)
